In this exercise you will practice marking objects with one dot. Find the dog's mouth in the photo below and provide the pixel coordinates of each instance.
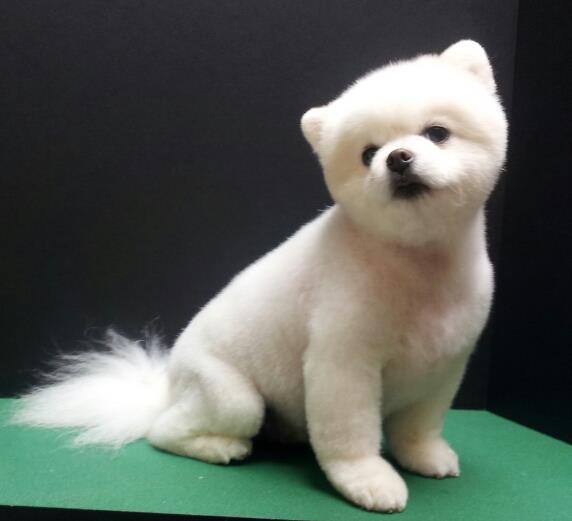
(408, 186)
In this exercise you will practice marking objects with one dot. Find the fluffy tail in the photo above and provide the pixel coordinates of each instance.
(112, 397)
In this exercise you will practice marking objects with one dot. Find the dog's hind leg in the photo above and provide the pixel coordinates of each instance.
(215, 411)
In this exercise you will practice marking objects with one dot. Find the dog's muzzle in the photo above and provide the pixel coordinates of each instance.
(405, 184)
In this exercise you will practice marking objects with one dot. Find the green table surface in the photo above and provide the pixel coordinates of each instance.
(509, 473)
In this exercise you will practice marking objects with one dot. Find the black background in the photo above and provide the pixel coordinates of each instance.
(150, 150)
(531, 370)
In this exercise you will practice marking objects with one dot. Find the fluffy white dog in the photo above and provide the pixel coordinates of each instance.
(366, 316)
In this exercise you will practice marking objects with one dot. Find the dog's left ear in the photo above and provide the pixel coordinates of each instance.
(471, 56)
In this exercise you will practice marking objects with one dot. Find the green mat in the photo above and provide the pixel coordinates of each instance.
(508, 473)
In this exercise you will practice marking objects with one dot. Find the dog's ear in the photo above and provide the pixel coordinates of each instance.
(312, 125)
(469, 55)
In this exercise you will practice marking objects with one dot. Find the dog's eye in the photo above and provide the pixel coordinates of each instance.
(436, 133)
(368, 154)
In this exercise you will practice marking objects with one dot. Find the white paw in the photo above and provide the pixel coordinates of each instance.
(216, 449)
(433, 458)
(371, 483)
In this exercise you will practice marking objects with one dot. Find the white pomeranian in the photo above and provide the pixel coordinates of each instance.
(364, 318)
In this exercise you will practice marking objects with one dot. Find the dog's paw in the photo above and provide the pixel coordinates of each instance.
(214, 448)
(370, 483)
(433, 458)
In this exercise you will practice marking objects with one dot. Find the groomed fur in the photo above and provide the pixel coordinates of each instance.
(111, 395)
(359, 325)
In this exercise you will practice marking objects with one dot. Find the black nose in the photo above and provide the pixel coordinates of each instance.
(398, 160)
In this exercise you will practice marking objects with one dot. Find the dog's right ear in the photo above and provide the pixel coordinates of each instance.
(312, 126)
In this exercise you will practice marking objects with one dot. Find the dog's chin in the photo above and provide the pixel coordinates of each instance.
(409, 188)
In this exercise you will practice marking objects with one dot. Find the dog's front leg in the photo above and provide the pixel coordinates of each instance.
(414, 433)
(342, 378)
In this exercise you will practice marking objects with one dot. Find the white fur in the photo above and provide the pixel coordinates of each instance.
(113, 394)
(370, 311)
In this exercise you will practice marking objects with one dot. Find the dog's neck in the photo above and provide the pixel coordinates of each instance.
(465, 243)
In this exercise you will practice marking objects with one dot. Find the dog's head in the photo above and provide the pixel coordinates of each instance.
(413, 150)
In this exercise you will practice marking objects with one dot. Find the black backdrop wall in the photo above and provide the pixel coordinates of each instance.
(150, 150)
(531, 378)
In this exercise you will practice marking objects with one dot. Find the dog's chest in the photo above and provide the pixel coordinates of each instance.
(425, 308)
(428, 313)
(429, 326)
